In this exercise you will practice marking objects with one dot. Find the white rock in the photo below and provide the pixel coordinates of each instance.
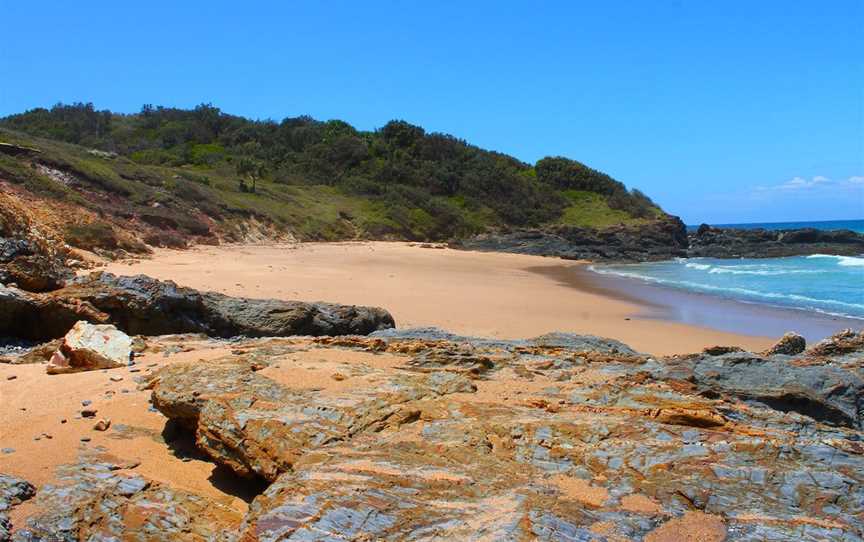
(87, 347)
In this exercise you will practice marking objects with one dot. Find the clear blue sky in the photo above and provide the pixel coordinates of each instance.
(722, 111)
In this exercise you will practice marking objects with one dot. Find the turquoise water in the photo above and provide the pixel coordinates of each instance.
(828, 284)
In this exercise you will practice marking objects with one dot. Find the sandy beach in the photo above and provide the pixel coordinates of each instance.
(471, 293)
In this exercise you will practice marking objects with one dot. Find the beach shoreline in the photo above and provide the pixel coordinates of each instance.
(482, 294)
(661, 302)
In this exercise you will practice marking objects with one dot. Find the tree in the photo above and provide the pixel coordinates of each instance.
(251, 170)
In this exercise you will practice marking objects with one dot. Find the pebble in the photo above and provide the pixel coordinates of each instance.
(8, 450)
(86, 402)
(11, 377)
(135, 370)
(102, 425)
(116, 378)
(63, 420)
(85, 439)
(88, 412)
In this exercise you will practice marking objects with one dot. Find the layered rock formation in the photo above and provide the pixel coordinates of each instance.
(146, 306)
(657, 240)
(736, 243)
(424, 435)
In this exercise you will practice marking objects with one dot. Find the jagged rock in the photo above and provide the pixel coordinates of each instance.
(13, 490)
(146, 306)
(713, 242)
(99, 499)
(826, 392)
(789, 344)
(839, 344)
(558, 438)
(88, 347)
(661, 239)
(257, 427)
(37, 354)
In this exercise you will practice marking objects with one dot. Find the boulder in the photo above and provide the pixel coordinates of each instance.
(789, 344)
(142, 305)
(88, 347)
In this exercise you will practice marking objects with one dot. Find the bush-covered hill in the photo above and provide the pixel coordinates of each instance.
(164, 176)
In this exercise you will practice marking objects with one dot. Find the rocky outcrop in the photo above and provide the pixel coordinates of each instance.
(145, 306)
(828, 391)
(24, 264)
(713, 242)
(658, 240)
(663, 240)
(88, 347)
(101, 498)
(30, 256)
(427, 435)
(13, 491)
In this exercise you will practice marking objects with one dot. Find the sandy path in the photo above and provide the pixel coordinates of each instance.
(484, 294)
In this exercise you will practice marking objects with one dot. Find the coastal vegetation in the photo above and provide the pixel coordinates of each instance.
(183, 170)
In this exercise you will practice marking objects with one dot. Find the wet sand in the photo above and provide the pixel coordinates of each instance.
(472, 293)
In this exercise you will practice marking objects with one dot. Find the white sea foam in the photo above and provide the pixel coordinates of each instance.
(845, 261)
(796, 300)
(762, 272)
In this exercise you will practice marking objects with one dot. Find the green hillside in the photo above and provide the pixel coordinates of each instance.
(165, 176)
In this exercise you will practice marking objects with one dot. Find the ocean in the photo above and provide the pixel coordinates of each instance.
(827, 284)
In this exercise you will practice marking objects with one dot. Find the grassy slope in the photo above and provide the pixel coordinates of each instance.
(116, 190)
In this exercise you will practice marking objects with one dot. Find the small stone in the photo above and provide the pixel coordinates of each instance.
(63, 420)
(89, 412)
(116, 378)
(102, 425)
(8, 450)
(789, 344)
(135, 370)
(86, 402)
(11, 377)
(338, 377)
(85, 439)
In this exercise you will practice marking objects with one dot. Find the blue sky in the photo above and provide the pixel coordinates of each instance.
(722, 111)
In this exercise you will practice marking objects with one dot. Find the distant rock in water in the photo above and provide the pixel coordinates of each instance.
(712, 242)
(141, 305)
(658, 240)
